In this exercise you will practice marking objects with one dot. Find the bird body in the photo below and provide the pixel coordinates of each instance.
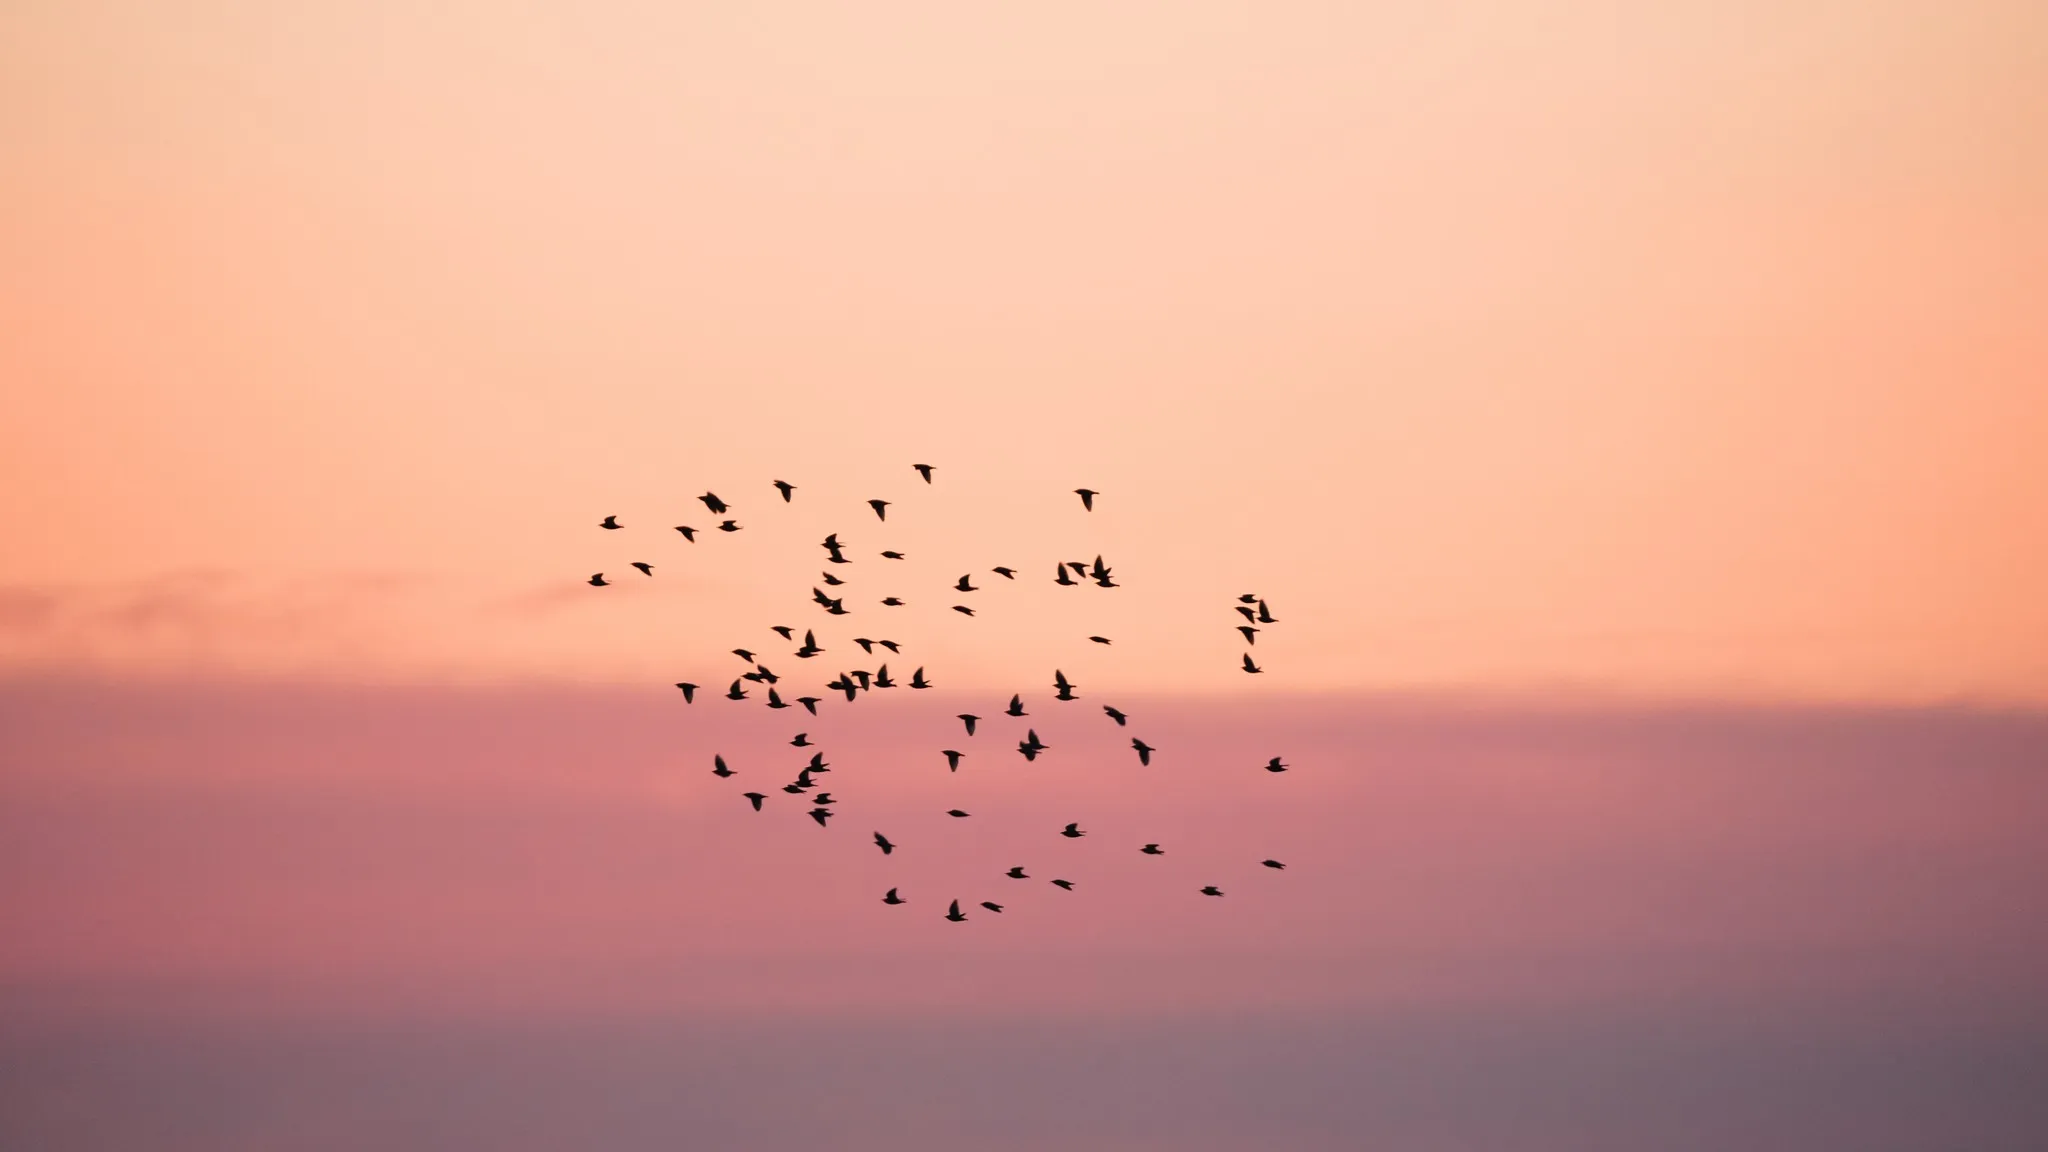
(955, 812)
(712, 502)
(688, 532)
(893, 601)
(1100, 639)
(1087, 496)
(1274, 765)
(963, 609)
(991, 905)
(1063, 689)
(965, 585)
(892, 898)
(1005, 573)
(728, 526)
(1273, 864)
(892, 555)
(784, 631)
(597, 580)
(879, 506)
(1066, 884)
(689, 691)
(969, 721)
(953, 914)
(1016, 707)
(785, 488)
(736, 692)
(1212, 890)
(883, 843)
(924, 470)
(1266, 614)
(917, 679)
(610, 522)
(952, 760)
(1152, 850)
(1073, 831)
(718, 767)
(1248, 665)
(755, 799)
(810, 704)
(1017, 873)
(1144, 751)
(821, 815)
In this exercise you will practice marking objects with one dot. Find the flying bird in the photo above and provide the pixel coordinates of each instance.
(736, 692)
(965, 584)
(1063, 578)
(810, 647)
(744, 654)
(1212, 890)
(1016, 707)
(1067, 884)
(775, 701)
(689, 692)
(889, 644)
(836, 549)
(1249, 632)
(954, 914)
(1005, 573)
(718, 767)
(755, 799)
(1100, 639)
(924, 470)
(1274, 765)
(1248, 665)
(917, 679)
(882, 678)
(1273, 864)
(783, 630)
(810, 704)
(878, 506)
(866, 645)
(785, 488)
(712, 502)
(1115, 715)
(610, 522)
(991, 905)
(892, 601)
(1073, 831)
(892, 898)
(1248, 613)
(821, 815)
(1064, 689)
(1144, 751)
(597, 580)
(892, 555)
(969, 720)
(688, 532)
(1017, 873)
(1099, 572)
(830, 579)
(817, 763)
(1087, 496)
(963, 609)
(952, 760)
(728, 526)
(955, 812)
(803, 740)
(1152, 850)
(1248, 598)
(824, 798)
(1266, 614)
(882, 842)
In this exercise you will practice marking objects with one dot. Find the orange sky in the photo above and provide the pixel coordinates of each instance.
(1690, 348)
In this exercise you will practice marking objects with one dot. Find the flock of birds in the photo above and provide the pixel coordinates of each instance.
(852, 684)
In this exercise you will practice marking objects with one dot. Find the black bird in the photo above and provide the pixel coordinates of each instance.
(785, 489)
(755, 799)
(803, 740)
(803, 780)
(1248, 598)
(1067, 884)
(810, 704)
(952, 760)
(775, 701)
(597, 580)
(795, 789)
(1266, 614)
(954, 913)
(1248, 665)
(1016, 707)
(830, 579)
(882, 842)
(766, 676)
(963, 609)
(712, 502)
(866, 645)
(1080, 567)
(955, 812)
(783, 630)
(893, 601)
(1063, 689)
(917, 679)
(878, 506)
(1273, 864)
(846, 685)
(892, 555)
(817, 763)
(970, 722)
(728, 526)
(924, 470)
(965, 584)
(1031, 746)
(1087, 496)
(689, 692)
(718, 767)
(892, 898)
(1274, 765)
(645, 568)
(889, 644)
(991, 905)
(861, 675)
(610, 522)
(1249, 632)
(743, 654)
(1005, 573)
(736, 692)
(824, 798)
(1073, 831)
(810, 647)
(756, 677)
(833, 546)
(1100, 639)
(1152, 850)
(882, 678)
(818, 594)
(1115, 715)
(1064, 578)
(1017, 873)
(1099, 572)
(1248, 613)
(1212, 890)
(1106, 582)
(1144, 751)
(821, 815)
(688, 532)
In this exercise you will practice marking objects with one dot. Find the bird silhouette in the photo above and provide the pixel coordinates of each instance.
(744, 654)
(817, 763)
(1274, 765)
(1273, 864)
(882, 842)
(821, 815)
(1266, 614)
(1249, 632)
(688, 532)
(728, 526)
(1144, 751)
(1031, 745)
(810, 704)
(783, 630)
(1100, 639)
(830, 579)
(889, 644)
(835, 549)
(892, 898)
(924, 470)
(1005, 573)
(892, 555)
(712, 502)
(955, 812)
(1087, 496)
(1248, 598)
(766, 676)
(736, 692)
(917, 679)
(878, 506)
(823, 798)
(1115, 715)
(689, 692)
(810, 647)
(597, 580)
(818, 594)
(1067, 884)
(784, 488)
(1063, 578)
(963, 609)
(969, 720)
(1016, 707)
(991, 905)
(965, 585)
(718, 767)
(882, 678)
(954, 913)
(893, 601)
(1073, 831)
(866, 645)
(803, 740)
(1099, 572)
(1062, 688)
(775, 701)
(952, 759)
(1247, 613)
(1152, 850)
(1248, 665)
(610, 522)
(1212, 890)
(1017, 873)
(755, 799)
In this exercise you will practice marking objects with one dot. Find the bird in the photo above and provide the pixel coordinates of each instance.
(610, 522)
(835, 549)
(783, 630)
(882, 678)
(775, 701)
(1005, 573)
(718, 767)
(824, 798)
(1087, 496)
(803, 740)
(955, 812)
(830, 579)
(728, 526)
(1249, 632)
(1115, 715)
(1212, 890)
(1100, 639)
(1247, 613)
(1031, 745)
(893, 601)
(862, 675)
(952, 759)
(1099, 572)
(810, 704)
(755, 799)
(744, 654)
(712, 502)
(688, 532)
(1067, 884)
(966, 584)
(1266, 614)
(1064, 690)
(736, 692)
(1273, 864)
(1152, 850)
(889, 644)
(821, 815)
(1080, 567)
(1274, 765)
(963, 609)
(796, 789)
(810, 647)
(817, 763)
(882, 842)
(924, 470)
(597, 580)
(892, 555)
(866, 645)
(1248, 598)
(689, 691)
(954, 914)
(893, 898)
(1017, 873)
(1063, 578)
(878, 506)
(969, 720)
(917, 679)
(1144, 751)
(818, 594)
(1073, 831)
(1016, 707)
(785, 488)
(991, 905)
(845, 685)
(1248, 665)
(766, 676)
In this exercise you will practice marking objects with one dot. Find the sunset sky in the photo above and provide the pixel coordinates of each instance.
(1634, 414)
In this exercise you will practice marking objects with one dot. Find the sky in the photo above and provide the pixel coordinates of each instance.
(1630, 413)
